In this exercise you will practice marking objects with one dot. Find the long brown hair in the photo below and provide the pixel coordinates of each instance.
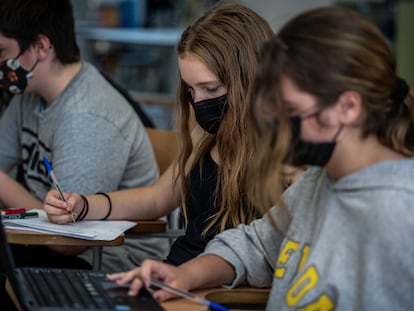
(325, 52)
(227, 39)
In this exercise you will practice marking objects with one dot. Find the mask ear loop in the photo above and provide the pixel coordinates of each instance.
(338, 132)
(314, 114)
(30, 73)
(35, 64)
(20, 54)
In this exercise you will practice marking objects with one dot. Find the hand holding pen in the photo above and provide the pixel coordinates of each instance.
(56, 184)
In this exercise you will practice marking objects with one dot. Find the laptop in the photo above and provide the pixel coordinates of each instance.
(46, 289)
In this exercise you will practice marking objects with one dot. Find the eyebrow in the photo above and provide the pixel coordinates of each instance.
(207, 83)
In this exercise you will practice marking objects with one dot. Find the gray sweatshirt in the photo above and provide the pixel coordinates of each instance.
(347, 246)
(96, 143)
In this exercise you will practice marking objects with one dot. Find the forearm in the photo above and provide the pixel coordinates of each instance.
(14, 195)
(126, 204)
(148, 202)
(207, 271)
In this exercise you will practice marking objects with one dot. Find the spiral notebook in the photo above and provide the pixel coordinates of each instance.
(46, 289)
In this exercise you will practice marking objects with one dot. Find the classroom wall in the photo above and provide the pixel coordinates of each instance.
(404, 43)
(277, 12)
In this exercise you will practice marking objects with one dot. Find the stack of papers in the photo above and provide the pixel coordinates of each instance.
(104, 230)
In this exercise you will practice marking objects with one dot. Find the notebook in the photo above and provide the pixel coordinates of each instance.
(46, 289)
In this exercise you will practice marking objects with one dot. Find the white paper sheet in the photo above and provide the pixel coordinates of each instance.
(105, 230)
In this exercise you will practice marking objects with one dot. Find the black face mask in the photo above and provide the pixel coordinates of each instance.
(309, 153)
(210, 112)
(13, 77)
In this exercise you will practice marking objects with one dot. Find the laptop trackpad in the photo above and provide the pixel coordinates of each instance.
(119, 296)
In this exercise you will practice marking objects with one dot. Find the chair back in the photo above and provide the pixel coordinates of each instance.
(165, 145)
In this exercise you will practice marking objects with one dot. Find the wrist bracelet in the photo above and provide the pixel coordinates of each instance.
(85, 208)
(110, 204)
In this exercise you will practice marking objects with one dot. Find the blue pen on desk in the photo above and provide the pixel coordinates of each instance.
(55, 182)
(211, 304)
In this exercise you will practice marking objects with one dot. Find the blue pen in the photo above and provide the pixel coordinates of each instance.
(55, 182)
(211, 304)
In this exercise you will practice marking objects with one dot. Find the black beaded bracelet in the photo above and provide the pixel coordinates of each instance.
(110, 204)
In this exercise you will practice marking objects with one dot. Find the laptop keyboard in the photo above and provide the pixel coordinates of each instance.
(68, 288)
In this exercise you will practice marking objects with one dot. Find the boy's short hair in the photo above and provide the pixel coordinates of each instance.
(25, 20)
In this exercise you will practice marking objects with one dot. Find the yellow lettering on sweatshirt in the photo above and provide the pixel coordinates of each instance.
(304, 283)
(288, 250)
(305, 254)
(324, 303)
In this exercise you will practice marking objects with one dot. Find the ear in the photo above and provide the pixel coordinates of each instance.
(43, 47)
(349, 106)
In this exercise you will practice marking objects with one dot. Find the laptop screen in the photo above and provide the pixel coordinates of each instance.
(46, 293)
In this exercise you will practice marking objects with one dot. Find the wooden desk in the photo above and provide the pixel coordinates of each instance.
(239, 294)
(15, 236)
(149, 226)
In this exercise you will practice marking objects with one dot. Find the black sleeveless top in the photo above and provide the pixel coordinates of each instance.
(200, 201)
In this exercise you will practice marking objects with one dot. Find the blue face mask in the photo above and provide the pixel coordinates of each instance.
(210, 112)
(309, 153)
(13, 77)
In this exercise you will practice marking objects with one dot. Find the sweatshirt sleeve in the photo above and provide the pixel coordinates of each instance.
(251, 249)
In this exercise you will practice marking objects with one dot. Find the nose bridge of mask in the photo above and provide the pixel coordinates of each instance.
(209, 103)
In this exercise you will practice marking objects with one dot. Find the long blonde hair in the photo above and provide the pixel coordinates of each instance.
(227, 39)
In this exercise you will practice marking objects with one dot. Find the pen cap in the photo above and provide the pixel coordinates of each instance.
(47, 164)
(213, 306)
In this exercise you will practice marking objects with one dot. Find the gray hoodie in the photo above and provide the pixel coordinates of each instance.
(347, 246)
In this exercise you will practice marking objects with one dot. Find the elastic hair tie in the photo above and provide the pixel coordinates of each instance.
(85, 209)
(110, 204)
(400, 92)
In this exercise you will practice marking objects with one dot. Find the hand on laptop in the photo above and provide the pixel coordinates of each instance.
(150, 269)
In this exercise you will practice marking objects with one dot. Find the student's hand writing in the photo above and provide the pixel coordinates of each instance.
(141, 276)
(57, 210)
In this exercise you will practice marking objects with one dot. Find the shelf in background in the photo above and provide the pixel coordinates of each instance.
(153, 98)
(144, 36)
